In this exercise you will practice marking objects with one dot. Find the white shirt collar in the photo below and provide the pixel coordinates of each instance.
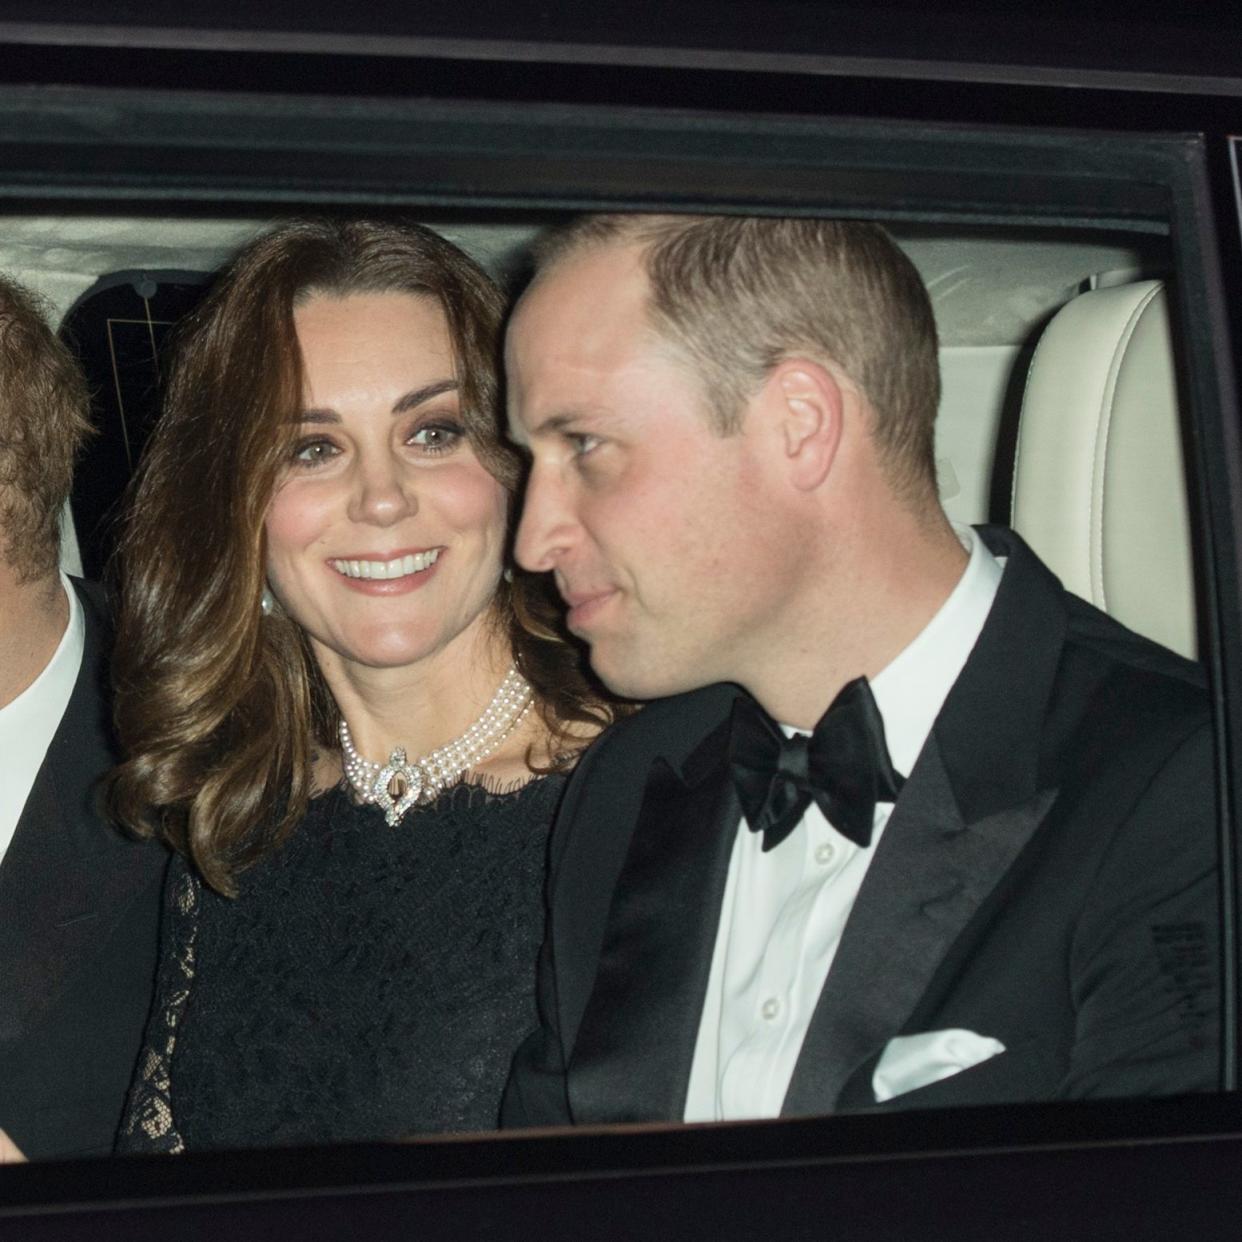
(912, 688)
(30, 721)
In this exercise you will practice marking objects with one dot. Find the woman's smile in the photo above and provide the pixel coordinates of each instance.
(397, 566)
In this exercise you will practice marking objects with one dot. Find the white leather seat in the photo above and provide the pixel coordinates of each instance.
(1099, 487)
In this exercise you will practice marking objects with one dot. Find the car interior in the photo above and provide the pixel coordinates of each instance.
(1060, 411)
(1084, 322)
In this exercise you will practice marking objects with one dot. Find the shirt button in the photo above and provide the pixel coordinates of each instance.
(771, 1008)
(824, 854)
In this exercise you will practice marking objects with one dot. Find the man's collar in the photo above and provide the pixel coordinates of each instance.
(912, 688)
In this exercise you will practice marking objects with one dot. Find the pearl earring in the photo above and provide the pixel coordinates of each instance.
(267, 602)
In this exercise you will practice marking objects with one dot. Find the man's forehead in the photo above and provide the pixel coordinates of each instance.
(581, 340)
(583, 300)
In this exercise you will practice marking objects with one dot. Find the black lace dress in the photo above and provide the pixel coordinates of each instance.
(368, 982)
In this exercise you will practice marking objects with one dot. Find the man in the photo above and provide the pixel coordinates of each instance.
(78, 902)
(989, 876)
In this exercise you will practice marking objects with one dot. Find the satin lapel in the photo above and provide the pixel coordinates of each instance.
(632, 1057)
(930, 874)
(66, 875)
(974, 799)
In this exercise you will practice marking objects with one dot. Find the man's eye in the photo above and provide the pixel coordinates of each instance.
(438, 437)
(582, 442)
(314, 452)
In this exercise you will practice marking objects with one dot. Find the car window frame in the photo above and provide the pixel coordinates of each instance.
(87, 147)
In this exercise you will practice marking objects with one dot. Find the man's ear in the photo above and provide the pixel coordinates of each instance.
(809, 402)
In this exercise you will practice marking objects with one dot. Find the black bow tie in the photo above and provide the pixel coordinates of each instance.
(844, 766)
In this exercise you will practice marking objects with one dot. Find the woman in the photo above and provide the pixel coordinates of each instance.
(340, 708)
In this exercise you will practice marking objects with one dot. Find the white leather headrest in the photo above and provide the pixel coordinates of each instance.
(1099, 487)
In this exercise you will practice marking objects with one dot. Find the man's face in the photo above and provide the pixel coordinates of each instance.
(662, 535)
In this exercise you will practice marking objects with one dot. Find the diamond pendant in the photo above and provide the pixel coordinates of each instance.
(397, 786)
(400, 785)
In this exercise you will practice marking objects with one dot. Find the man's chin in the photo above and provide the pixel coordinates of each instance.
(630, 676)
(620, 675)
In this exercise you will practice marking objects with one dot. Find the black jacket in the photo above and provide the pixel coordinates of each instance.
(1047, 878)
(79, 913)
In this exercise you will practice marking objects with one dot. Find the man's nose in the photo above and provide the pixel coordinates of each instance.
(547, 527)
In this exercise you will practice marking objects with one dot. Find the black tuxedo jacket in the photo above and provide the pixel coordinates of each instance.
(79, 916)
(1047, 878)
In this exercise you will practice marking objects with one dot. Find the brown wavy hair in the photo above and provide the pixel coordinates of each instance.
(219, 708)
(44, 420)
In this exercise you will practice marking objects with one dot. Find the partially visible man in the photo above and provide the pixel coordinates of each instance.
(78, 902)
(943, 833)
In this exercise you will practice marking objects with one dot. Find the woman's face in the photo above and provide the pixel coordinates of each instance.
(385, 534)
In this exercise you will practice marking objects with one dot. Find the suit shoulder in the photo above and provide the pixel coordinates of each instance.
(670, 728)
(1096, 646)
(1122, 702)
(607, 785)
(1093, 635)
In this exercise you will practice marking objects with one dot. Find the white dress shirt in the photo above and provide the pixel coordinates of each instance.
(784, 911)
(30, 721)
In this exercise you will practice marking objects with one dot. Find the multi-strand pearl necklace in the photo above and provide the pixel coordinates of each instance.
(398, 785)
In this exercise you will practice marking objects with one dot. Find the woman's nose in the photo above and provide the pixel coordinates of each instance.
(383, 494)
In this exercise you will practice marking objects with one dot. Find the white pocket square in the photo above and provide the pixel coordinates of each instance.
(912, 1061)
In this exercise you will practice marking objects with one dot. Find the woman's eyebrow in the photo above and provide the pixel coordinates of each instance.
(415, 397)
(418, 395)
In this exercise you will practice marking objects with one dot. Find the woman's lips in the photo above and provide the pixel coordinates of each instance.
(387, 575)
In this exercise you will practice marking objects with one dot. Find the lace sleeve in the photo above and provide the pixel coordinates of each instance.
(148, 1124)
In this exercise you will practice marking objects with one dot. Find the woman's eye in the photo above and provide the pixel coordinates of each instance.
(437, 437)
(314, 452)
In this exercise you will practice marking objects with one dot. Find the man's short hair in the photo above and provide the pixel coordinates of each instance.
(737, 295)
(44, 418)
